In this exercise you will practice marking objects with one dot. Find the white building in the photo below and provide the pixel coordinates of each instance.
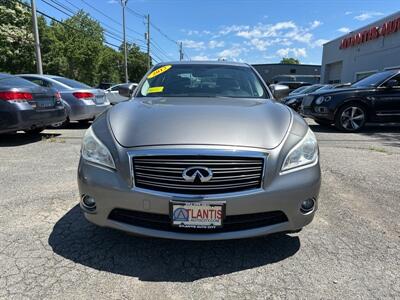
(369, 49)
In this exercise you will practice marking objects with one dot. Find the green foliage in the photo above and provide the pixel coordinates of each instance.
(74, 49)
(16, 38)
(290, 60)
(137, 63)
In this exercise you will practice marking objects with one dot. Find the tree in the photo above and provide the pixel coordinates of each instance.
(16, 38)
(74, 47)
(109, 65)
(137, 63)
(290, 60)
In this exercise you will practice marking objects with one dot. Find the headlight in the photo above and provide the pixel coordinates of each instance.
(304, 153)
(94, 150)
(322, 99)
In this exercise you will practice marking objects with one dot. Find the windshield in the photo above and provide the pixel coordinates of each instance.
(298, 90)
(72, 83)
(311, 88)
(200, 80)
(15, 82)
(373, 80)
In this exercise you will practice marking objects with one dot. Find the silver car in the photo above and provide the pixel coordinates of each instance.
(202, 152)
(82, 102)
(113, 93)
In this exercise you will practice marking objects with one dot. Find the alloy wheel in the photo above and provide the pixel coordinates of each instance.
(352, 118)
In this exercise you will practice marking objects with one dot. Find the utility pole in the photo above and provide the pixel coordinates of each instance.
(35, 29)
(180, 51)
(148, 42)
(123, 3)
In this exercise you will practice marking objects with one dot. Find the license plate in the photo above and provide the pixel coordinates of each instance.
(45, 104)
(202, 215)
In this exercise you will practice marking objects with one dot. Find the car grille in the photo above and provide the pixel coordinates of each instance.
(230, 223)
(230, 174)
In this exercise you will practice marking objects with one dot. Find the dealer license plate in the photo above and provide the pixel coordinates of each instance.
(202, 215)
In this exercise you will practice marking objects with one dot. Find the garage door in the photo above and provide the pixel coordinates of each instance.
(334, 72)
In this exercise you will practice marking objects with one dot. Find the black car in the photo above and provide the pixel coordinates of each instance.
(295, 99)
(27, 106)
(375, 98)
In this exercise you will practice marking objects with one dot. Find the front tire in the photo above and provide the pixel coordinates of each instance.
(351, 118)
(323, 122)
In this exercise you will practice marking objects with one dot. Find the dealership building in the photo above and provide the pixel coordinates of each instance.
(362, 52)
(272, 73)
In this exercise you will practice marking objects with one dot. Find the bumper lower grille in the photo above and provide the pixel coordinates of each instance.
(163, 222)
(229, 174)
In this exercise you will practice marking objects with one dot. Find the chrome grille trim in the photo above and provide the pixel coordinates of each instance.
(158, 172)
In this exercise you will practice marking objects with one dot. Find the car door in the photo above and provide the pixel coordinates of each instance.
(387, 102)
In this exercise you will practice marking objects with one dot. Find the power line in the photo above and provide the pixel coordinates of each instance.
(108, 31)
(62, 23)
(135, 13)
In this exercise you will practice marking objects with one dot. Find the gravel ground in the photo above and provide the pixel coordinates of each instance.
(350, 251)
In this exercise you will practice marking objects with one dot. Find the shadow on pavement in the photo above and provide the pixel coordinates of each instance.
(162, 260)
(20, 139)
(388, 134)
(78, 125)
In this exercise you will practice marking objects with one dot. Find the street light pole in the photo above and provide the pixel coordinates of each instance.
(35, 30)
(148, 43)
(123, 3)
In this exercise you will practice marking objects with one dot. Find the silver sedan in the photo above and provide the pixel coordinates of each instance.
(82, 102)
(201, 152)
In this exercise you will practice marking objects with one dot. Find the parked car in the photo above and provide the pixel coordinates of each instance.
(202, 152)
(294, 100)
(113, 93)
(298, 90)
(375, 98)
(83, 103)
(27, 106)
(294, 84)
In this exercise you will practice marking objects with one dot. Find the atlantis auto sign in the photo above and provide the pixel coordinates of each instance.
(371, 33)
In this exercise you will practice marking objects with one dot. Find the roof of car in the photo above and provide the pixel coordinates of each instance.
(40, 75)
(205, 62)
(4, 75)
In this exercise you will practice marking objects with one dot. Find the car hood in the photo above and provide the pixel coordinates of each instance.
(199, 121)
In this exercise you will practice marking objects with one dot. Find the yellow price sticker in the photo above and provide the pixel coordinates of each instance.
(159, 71)
(155, 89)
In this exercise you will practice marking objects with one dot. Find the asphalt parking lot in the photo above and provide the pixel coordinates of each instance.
(350, 251)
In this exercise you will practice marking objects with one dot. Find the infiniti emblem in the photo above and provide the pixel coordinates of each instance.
(200, 173)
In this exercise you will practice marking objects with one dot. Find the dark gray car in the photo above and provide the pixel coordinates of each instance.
(201, 152)
(83, 103)
(27, 106)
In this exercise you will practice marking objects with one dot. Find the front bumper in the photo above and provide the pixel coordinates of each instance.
(284, 193)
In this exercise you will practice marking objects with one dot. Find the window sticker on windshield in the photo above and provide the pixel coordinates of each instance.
(159, 71)
(155, 89)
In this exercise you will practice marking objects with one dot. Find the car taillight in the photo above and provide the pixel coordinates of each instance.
(83, 95)
(15, 96)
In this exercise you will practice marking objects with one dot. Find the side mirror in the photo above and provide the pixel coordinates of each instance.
(279, 90)
(126, 90)
(391, 83)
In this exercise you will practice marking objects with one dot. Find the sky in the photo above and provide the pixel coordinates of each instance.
(251, 31)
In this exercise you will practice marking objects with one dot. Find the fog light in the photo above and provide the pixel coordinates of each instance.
(307, 205)
(88, 202)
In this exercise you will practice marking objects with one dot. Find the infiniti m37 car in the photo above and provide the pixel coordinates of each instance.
(201, 152)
